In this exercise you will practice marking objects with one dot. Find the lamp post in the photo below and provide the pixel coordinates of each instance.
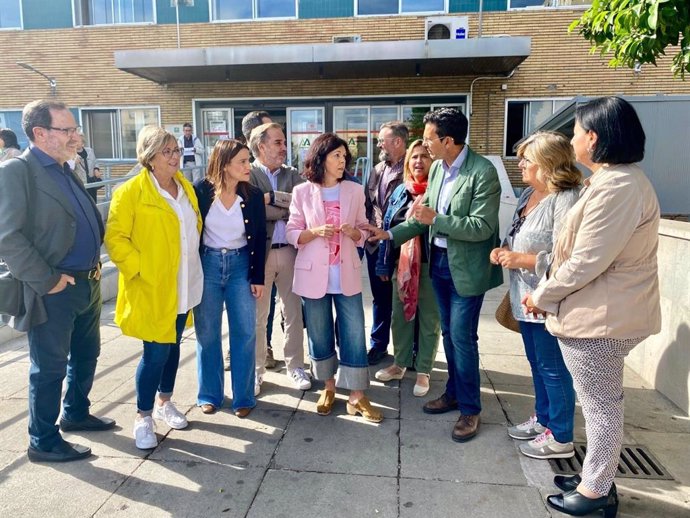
(51, 80)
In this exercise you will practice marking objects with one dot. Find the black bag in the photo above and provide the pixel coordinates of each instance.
(11, 293)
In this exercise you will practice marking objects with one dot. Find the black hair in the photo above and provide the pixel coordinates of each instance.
(620, 137)
(325, 143)
(9, 137)
(37, 114)
(449, 122)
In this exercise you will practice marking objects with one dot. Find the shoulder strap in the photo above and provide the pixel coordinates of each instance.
(30, 186)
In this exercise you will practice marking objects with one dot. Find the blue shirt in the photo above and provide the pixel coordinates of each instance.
(86, 249)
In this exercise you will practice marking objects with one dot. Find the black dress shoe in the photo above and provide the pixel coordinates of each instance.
(63, 451)
(566, 484)
(575, 504)
(90, 424)
(376, 355)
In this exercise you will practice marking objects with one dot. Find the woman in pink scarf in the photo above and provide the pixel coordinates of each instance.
(415, 319)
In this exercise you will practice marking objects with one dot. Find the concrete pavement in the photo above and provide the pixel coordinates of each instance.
(284, 460)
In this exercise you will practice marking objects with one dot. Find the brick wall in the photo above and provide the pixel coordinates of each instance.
(82, 62)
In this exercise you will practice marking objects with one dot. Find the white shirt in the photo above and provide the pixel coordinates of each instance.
(450, 175)
(224, 228)
(190, 277)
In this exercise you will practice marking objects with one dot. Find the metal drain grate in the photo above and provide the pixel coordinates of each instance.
(636, 461)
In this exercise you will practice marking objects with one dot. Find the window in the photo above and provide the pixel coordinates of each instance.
(521, 4)
(251, 9)
(112, 12)
(113, 132)
(365, 7)
(523, 117)
(10, 14)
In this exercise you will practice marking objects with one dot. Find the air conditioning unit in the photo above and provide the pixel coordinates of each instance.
(446, 28)
(347, 38)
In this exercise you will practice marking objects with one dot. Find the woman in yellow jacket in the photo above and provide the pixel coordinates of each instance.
(152, 236)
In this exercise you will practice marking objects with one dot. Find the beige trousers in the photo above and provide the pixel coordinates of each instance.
(280, 265)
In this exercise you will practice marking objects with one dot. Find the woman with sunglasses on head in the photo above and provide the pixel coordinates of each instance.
(409, 268)
(233, 252)
(601, 296)
(548, 168)
(152, 236)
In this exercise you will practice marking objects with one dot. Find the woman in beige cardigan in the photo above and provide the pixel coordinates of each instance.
(602, 293)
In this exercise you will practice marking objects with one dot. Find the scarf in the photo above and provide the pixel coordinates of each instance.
(410, 261)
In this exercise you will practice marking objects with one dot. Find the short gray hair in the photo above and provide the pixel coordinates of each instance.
(258, 135)
(152, 139)
(37, 114)
(398, 129)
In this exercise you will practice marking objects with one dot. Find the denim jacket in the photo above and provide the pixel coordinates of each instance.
(398, 204)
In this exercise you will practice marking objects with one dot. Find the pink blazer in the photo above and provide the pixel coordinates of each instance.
(311, 264)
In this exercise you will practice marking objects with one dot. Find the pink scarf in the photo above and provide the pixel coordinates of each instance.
(410, 261)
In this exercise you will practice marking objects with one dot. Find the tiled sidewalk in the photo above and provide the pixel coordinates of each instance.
(285, 460)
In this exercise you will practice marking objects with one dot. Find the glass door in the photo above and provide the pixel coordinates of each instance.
(217, 125)
(351, 124)
(304, 125)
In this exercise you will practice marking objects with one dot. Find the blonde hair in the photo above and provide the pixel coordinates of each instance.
(407, 174)
(152, 140)
(554, 156)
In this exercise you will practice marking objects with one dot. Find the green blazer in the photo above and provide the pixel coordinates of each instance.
(470, 225)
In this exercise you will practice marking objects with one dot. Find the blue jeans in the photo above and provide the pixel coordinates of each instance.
(553, 386)
(352, 372)
(67, 344)
(226, 282)
(382, 305)
(157, 369)
(459, 323)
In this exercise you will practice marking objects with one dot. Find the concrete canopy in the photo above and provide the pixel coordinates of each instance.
(475, 56)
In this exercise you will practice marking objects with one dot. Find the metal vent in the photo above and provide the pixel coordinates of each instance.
(636, 461)
(347, 38)
(438, 32)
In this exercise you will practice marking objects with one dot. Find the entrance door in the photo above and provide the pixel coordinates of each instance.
(217, 125)
(304, 125)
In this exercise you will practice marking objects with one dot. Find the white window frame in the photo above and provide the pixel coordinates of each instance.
(553, 100)
(118, 110)
(21, 19)
(555, 4)
(400, 11)
(75, 24)
(254, 17)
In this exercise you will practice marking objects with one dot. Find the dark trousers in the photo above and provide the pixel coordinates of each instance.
(382, 292)
(459, 323)
(67, 344)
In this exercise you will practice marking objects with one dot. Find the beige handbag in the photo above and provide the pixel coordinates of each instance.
(504, 314)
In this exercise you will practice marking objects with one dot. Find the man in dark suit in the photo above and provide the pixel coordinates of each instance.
(50, 237)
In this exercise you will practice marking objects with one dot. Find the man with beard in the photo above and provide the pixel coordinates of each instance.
(384, 179)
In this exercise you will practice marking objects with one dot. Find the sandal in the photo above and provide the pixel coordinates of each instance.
(421, 390)
(363, 407)
(325, 403)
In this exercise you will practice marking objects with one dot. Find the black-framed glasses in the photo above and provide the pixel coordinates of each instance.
(70, 132)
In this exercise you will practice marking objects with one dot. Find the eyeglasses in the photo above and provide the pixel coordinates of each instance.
(516, 226)
(167, 153)
(70, 132)
(524, 158)
(427, 141)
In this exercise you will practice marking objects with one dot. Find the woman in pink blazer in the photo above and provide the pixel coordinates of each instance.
(326, 226)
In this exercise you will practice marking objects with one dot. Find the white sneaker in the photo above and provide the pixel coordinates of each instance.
(171, 415)
(300, 379)
(258, 380)
(527, 430)
(145, 433)
(547, 447)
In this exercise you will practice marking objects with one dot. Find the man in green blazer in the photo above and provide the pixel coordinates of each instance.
(461, 207)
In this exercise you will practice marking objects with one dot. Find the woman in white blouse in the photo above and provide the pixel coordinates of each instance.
(152, 236)
(233, 252)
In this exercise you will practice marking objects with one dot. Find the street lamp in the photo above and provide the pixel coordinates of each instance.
(51, 80)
